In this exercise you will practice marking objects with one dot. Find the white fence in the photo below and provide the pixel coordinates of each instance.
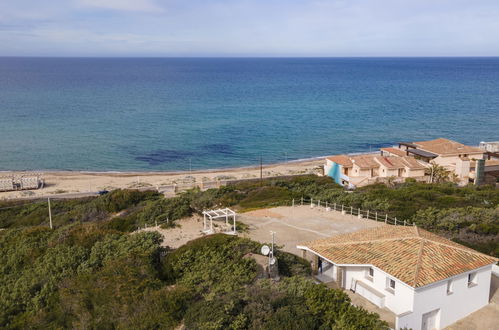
(350, 210)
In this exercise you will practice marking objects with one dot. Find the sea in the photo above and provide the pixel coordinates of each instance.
(152, 114)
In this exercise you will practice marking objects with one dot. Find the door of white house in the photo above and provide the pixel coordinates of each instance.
(430, 320)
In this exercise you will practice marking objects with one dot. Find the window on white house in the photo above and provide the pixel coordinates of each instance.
(390, 284)
(471, 279)
(370, 274)
(449, 287)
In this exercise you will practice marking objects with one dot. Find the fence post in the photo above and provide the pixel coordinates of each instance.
(395, 221)
(293, 202)
(358, 213)
(302, 200)
(311, 202)
(367, 214)
(326, 204)
(376, 216)
(404, 222)
(319, 203)
(351, 210)
(386, 218)
(334, 207)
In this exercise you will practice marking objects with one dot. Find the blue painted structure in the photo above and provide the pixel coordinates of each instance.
(335, 173)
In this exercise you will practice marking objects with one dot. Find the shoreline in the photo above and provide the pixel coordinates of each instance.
(177, 172)
(171, 172)
(90, 182)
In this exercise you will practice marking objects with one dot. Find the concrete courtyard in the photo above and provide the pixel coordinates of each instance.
(299, 224)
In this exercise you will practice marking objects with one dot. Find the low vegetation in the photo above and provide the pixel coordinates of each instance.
(466, 214)
(91, 271)
(88, 276)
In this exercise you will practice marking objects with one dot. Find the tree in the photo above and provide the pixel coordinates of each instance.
(438, 174)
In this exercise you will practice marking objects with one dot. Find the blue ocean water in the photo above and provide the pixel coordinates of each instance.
(172, 113)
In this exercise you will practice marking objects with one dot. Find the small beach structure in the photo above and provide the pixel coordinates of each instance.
(7, 184)
(211, 215)
(426, 281)
(21, 182)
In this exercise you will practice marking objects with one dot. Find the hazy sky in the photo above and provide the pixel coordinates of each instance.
(249, 27)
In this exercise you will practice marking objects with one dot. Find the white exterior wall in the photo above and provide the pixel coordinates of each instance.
(415, 173)
(453, 307)
(328, 166)
(400, 301)
(385, 172)
(451, 160)
(360, 172)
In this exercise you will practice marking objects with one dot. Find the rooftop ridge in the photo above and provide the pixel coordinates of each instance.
(418, 263)
(468, 250)
(366, 241)
(417, 236)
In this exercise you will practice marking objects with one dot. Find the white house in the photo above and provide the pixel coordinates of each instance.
(427, 281)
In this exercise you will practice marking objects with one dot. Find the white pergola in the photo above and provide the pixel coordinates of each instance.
(217, 214)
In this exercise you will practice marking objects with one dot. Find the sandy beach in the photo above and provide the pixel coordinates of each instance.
(80, 182)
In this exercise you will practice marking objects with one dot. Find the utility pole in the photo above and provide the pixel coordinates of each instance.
(271, 255)
(50, 214)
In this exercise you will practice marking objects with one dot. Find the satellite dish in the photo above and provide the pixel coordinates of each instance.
(272, 261)
(265, 250)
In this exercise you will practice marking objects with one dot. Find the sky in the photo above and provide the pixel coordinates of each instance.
(330, 28)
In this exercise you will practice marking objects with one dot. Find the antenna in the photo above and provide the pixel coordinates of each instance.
(265, 250)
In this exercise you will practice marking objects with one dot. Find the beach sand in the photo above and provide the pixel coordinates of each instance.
(80, 182)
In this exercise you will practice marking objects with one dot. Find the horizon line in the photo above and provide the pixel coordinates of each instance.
(245, 57)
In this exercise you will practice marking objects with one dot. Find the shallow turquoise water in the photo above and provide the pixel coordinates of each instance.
(164, 114)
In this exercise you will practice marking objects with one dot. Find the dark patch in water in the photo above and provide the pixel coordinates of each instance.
(218, 148)
(164, 156)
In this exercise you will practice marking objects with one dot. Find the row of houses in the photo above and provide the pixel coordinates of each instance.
(410, 160)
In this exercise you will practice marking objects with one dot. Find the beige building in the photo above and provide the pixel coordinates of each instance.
(361, 170)
(454, 156)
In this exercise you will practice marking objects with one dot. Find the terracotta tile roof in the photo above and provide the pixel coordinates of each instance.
(395, 162)
(341, 159)
(413, 255)
(447, 147)
(394, 151)
(390, 162)
(365, 161)
(412, 163)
